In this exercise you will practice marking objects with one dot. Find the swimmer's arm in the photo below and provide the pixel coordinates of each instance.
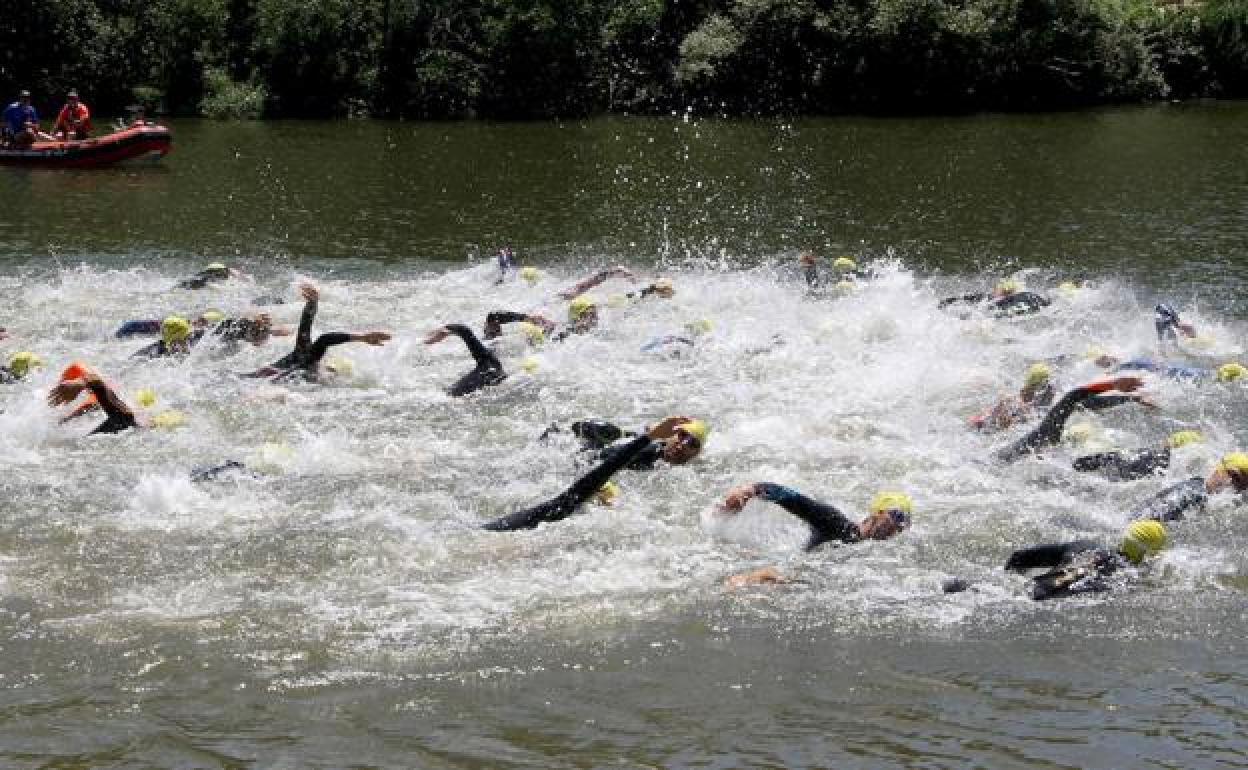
(494, 322)
(481, 354)
(326, 341)
(106, 397)
(303, 338)
(969, 298)
(594, 280)
(825, 521)
(1050, 429)
(1048, 555)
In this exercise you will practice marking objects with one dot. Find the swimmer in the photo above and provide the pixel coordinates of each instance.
(1090, 396)
(1006, 299)
(176, 339)
(1038, 391)
(1124, 465)
(256, 329)
(488, 371)
(844, 270)
(506, 263)
(675, 440)
(1168, 325)
(304, 361)
(566, 503)
(19, 367)
(217, 272)
(119, 416)
(1084, 566)
(1173, 502)
(888, 515)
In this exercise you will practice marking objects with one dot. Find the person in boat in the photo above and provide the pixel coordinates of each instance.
(19, 367)
(595, 483)
(21, 122)
(217, 272)
(675, 440)
(1129, 465)
(1006, 299)
(888, 515)
(304, 361)
(488, 370)
(74, 119)
(1084, 566)
(1094, 395)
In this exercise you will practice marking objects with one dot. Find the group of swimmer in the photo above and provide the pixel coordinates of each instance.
(1063, 568)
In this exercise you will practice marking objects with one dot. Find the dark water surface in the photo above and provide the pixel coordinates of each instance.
(343, 611)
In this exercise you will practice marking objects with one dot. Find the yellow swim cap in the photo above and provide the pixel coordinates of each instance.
(700, 326)
(1077, 434)
(844, 263)
(663, 287)
(1231, 372)
(580, 306)
(891, 501)
(533, 333)
(530, 274)
(1234, 462)
(529, 364)
(695, 428)
(845, 287)
(341, 365)
(1183, 438)
(170, 419)
(1036, 374)
(1142, 538)
(1068, 287)
(145, 397)
(1007, 286)
(606, 494)
(20, 363)
(174, 329)
(216, 267)
(212, 316)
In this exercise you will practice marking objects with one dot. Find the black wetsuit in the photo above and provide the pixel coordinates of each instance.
(600, 435)
(1049, 431)
(7, 377)
(119, 416)
(160, 349)
(1173, 502)
(1018, 303)
(494, 322)
(216, 472)
(1124, 465)
(205, 277)
(306, 357)
(489, 370)
(573, 497)
(1080, 566)
(825, 521)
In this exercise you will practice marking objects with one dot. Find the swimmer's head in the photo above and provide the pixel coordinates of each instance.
(1232, 469)
(168, 419)
(1181, 438)
(174, 329)
(806, 259)
(216, 267)
(582, 309)
(844, 264)
(1078, 434)
(887, 514)
(212, 317)
(1231, 372)
(663, 287)
(341, 366)
(700, 326)
(529, 364)
(606, 494)
(533, 333)
(22, 362)
(1006, 287)
(75, 371)
(1141, 539)
(145, 397)
(1037, 374)
(530, 275)
(686, 442)
(1068, 287)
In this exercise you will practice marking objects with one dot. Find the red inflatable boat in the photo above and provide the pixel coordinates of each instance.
(128, 145)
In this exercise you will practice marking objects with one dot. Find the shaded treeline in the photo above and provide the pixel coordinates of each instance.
(539, 58)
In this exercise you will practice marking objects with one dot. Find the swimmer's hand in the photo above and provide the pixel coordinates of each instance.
(754, 577)
(1127, 384)
(309, 292)
(737, 497)
(65, 392)
(437, 335)
(373, 338)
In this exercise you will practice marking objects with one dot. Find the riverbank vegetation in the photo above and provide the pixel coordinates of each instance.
(517, 59)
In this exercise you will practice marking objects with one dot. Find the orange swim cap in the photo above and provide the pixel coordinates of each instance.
(74, 371)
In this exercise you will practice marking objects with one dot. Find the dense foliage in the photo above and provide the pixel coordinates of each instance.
(538, 58)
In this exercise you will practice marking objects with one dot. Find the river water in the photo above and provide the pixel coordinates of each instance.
(342, 609)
